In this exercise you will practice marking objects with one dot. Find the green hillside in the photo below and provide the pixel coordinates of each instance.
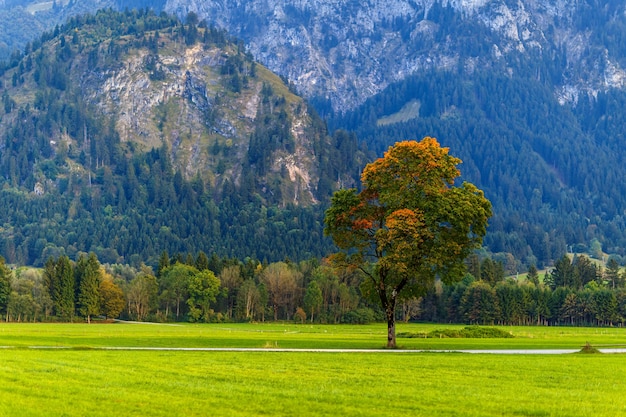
(553, 172)
(129, 134)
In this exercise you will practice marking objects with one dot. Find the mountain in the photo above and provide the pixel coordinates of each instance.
(129, 134)
(344, 52)
(528, 93)
(341, 53)
(25, 20)
(552, 172)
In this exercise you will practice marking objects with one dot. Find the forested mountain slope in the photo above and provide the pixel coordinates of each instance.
(25, 20)
(553, 173)
(530, 94)
(129, 134)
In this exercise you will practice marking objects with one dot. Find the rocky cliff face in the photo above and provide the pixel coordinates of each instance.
(204, 124)
(346, 51)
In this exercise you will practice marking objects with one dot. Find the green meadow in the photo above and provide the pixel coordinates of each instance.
(79, 379)
(289, 335)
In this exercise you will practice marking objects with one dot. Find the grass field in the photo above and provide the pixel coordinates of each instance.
(291, 336)
(84, 381)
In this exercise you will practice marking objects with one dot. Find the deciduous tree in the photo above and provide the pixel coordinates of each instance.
(203, 288)
(142, 294)
(174, 286)
(409, 225)
(249, 300)
(231, 280)
(111, 297)
(313, 298)
(282, 283)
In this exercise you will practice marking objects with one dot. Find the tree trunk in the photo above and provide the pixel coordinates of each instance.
(391, 324)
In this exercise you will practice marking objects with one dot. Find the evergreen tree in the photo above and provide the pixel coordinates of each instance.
(64, 294)
(480, 304)
(533, 275)
(50, 280)
(605, 306)
(202, 261)
(612, 275)
(473, 266)
(164, 262)
(88, 269)
(584, 272)
(5, 285)
(562, 275)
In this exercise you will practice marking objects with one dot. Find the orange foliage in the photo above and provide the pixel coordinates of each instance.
(361, 224)
(413, 161)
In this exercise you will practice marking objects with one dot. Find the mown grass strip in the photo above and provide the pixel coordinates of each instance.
(289, 335)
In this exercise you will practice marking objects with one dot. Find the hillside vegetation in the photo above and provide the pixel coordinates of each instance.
(128, 134)
(551, 171)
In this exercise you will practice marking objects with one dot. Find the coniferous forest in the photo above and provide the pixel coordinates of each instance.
(70, 184)
(554, 184)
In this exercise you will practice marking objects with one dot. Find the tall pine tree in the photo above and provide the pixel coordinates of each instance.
(89, 277)
(63, 296)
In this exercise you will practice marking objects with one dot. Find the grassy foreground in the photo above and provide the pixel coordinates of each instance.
(79, 382)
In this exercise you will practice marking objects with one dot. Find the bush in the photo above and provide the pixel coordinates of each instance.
(589, 349)
(299, 316)
(469, 332)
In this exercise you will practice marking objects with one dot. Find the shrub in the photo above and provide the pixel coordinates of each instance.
(469, 332)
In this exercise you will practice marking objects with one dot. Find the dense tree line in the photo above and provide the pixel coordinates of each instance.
(62, 290)
(183, 288)
(575, 292)
(205, 288)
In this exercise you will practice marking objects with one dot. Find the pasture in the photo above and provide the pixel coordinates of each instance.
(73, 377)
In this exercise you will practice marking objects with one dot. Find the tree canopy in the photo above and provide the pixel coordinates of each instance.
(410, 224)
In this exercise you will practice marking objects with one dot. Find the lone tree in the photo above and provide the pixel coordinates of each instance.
(409, 225)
